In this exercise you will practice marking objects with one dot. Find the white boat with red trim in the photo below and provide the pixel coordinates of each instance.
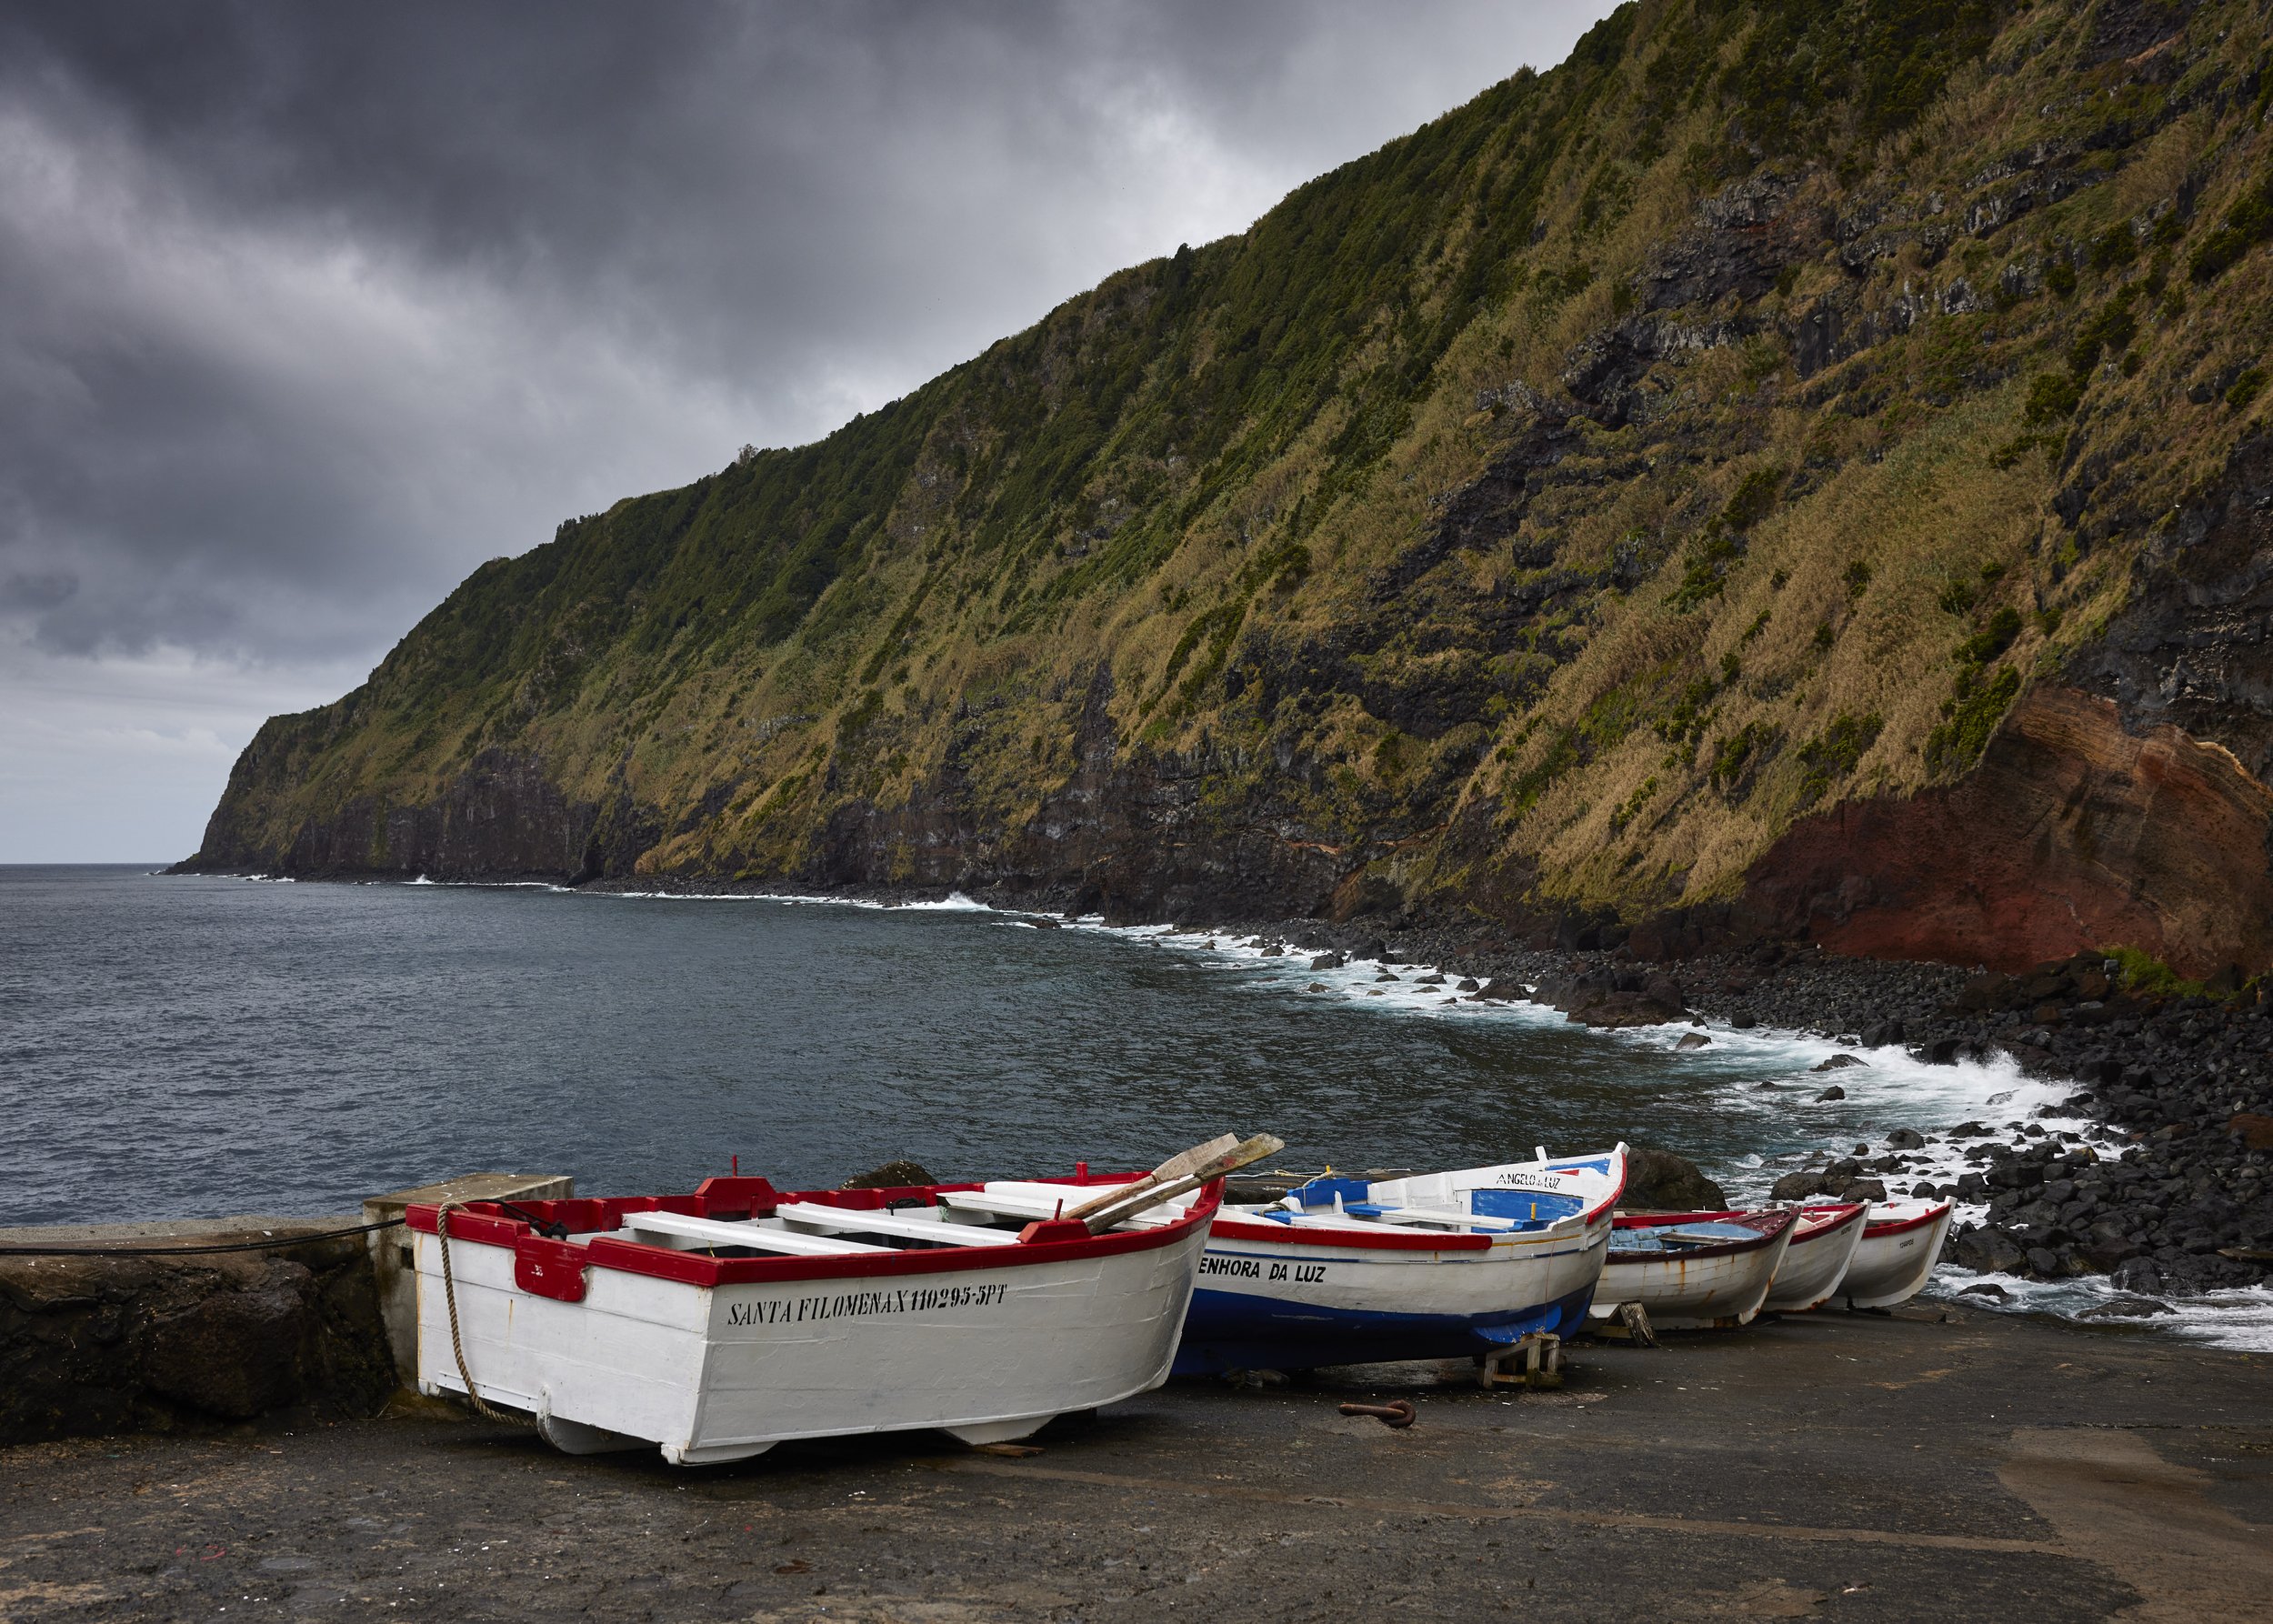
(1817, 1260)
(1897, 1253)
(1437, 1265)
(1693, 1271)
(717, 1324)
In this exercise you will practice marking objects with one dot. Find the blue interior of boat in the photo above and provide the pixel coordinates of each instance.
(1320, 1192)
(1539, 1207)
(1673, 1238)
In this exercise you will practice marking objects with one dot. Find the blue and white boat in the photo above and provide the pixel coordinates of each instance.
(1437, 1265)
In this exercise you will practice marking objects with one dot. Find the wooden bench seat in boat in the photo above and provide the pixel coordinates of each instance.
(823, 1217)
(722, 1232)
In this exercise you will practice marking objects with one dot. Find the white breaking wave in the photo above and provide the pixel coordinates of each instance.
(1890, 1089)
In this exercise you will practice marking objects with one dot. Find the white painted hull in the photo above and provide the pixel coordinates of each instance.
(1815, 1263)
(1692, 1293)
(721, 1372)
(1893, 1265)
(1282, 1304)
(1411, 1271)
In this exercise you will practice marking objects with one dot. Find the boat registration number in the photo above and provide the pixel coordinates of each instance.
(864, 1305)
(1257, 1269)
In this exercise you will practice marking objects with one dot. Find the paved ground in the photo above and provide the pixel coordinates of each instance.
(1842, 1468)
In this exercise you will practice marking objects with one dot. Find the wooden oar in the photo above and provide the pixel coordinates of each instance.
(1176, 1166)
(1128, 1202)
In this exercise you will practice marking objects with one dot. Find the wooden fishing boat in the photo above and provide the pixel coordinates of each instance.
(1345, 1271)
(1817, 1260)
(717, 1324)
(1897, 1253)
(1693, 1271)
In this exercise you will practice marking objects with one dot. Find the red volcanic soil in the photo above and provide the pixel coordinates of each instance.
(2071, 833)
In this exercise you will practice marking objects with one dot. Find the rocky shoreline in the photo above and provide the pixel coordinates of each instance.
(2183, 1083)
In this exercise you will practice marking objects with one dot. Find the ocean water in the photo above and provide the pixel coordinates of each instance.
(195, 1046)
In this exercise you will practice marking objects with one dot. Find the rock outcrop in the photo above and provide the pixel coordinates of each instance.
(1651, 505)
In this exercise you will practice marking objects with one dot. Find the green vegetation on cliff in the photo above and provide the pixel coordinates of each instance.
(1545, 510)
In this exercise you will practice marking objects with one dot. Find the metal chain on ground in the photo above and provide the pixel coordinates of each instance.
(457, 1343)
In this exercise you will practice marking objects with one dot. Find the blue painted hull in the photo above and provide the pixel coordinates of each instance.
(1228, 1330)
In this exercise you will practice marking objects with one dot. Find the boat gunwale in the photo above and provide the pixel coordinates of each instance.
(1042, 1241)
(1897, 1226)
(1378, 1235)
(1837, 1218)
(1779, 1220)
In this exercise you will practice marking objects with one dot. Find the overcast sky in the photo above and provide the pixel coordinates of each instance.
(305, 310)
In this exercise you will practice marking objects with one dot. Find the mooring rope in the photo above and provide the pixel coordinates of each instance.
(457, 1342)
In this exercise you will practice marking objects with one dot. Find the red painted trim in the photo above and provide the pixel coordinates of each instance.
(1373, 1238)
(1050, 1242)
(1903, 1226)
(554, 1268)
(1768, 1224)
(1844, 1217)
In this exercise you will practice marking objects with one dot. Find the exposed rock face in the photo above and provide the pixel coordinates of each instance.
(96, 1345)
(1585, 548)
(2072, 833)
(1660, 1181)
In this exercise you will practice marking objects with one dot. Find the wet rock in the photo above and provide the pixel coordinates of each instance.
(1988, 1288)
(1988, 1252)
(1836, 1063)
(1801, 1187)
(2137, 1277)
(892, 1175)
(1833, 1092)
(1373, 948)
(2128, 1308)
(1862, 1189)
(1434, 979)
(1660, 1181)
(1500, 988)
(1044, 922)
(1884, 1034)
(1905, 1139)
(1468, 984)
(1318, 986)
(1328, 961)
(1689, 1040)
(1744, 1020)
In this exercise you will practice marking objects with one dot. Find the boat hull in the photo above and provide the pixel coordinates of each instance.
(1292, 1303)
(1896, 1256)
(1817, 1261)
(1715, 1287)
(722, 1371)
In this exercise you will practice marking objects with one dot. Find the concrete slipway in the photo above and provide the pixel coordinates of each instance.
(1937, 1464)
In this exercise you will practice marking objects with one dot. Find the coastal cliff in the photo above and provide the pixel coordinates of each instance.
(1792, 470)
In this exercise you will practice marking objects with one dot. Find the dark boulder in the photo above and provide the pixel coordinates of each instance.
(1905, 1139)
(2137, 1277)
(1833, 1092)
(1660, 1181)
(1689, 1040)
(892, 1175)
(1836, 1063)
(1988, 1252)
(1801, 1187)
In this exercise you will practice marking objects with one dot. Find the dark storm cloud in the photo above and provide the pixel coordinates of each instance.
(306, 309)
